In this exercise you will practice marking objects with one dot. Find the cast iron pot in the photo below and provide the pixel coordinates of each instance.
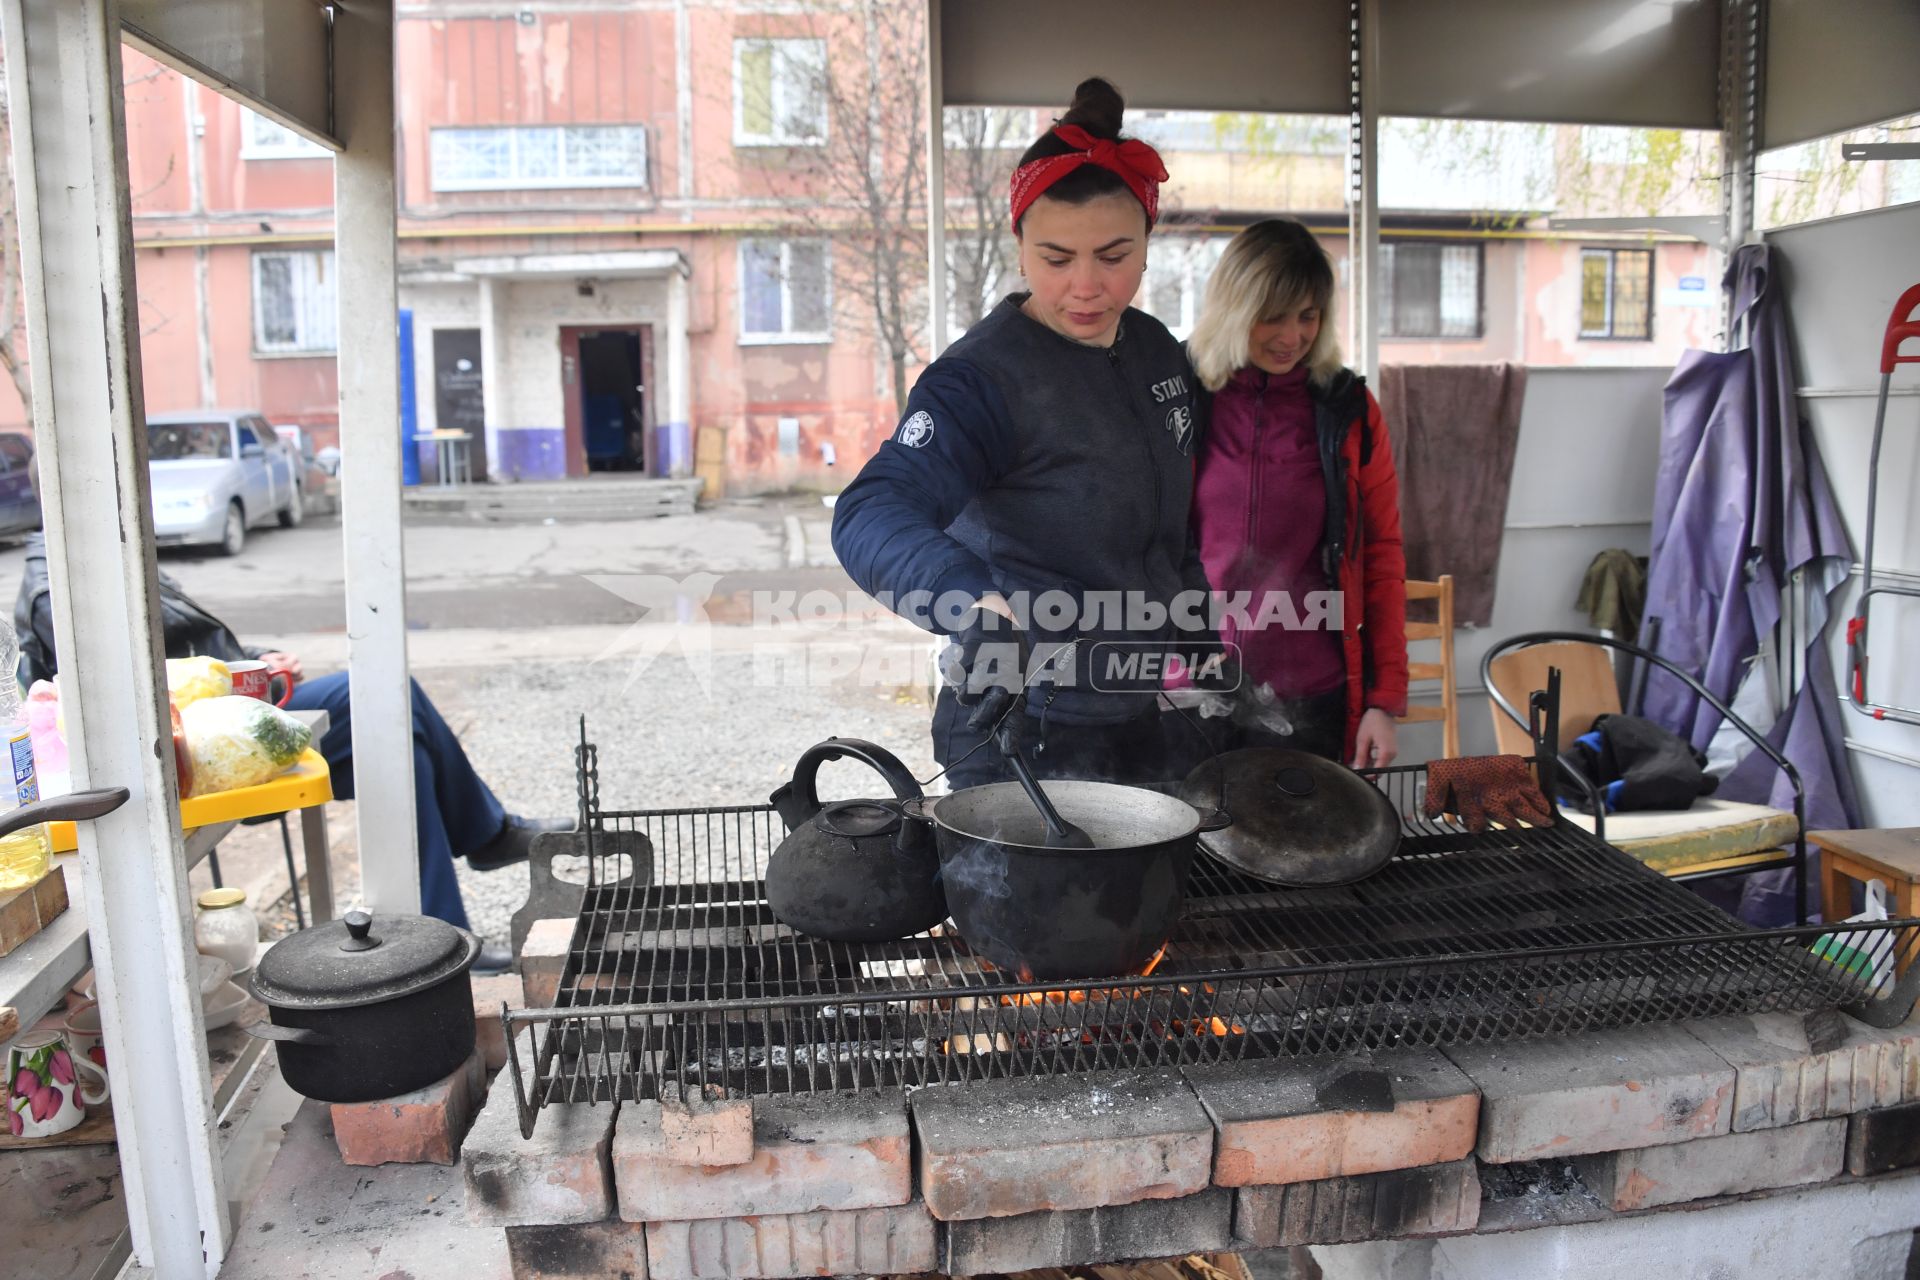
(365, 1009)
(1048, 915)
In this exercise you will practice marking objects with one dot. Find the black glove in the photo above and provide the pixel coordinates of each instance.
(986, 665)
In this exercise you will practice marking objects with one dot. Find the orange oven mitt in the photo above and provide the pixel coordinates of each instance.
(1484, 789)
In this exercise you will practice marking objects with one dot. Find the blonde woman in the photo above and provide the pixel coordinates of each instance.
(1296, 505)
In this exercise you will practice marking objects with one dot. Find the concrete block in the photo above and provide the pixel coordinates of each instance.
(1200, 1223)
(1060, 1142)
(1272, 1129)
(810, 1153)
(1612, 1090)
(899, 1239)
(1879, 1141)
(490, 991)
(1646, 1178)
(707, 1128)
(581, 1251)
(560, 1175)
(1780, 1079)
(425, 1126)
(1374, 1206)
(543, 958)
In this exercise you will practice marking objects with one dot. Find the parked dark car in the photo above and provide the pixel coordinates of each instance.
(19, 484)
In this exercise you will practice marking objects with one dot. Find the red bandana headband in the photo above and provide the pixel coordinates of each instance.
(1137, 164)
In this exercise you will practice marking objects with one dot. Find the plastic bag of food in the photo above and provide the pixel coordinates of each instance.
(240, 742)
(191, 679)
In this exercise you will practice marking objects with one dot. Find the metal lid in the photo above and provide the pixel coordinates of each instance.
(358, 960)
(214, 899)
(1298, 819)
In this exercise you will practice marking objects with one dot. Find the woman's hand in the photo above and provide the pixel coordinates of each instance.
(1377, 742)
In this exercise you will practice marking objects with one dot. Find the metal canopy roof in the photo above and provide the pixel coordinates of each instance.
(1830, 64)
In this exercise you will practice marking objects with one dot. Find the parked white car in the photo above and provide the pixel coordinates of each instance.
(217, 473)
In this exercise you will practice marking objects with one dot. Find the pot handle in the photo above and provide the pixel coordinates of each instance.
(1213, 819)
(879, 759)
(292, 1035)
(76, 806)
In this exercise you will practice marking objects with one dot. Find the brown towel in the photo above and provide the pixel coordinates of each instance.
(1454, 429)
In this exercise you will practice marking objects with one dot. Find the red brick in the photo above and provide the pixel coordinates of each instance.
(1611, 1090)
(1650, 1177)
(560, 1175)
(489, 993)
(1060, 1142)
(422, 1127)
(1273, 1130)
(810, 1153)
(899, 1239)
(1376, 1206)
(707, 1130)
(580, 1251)
(543, 958)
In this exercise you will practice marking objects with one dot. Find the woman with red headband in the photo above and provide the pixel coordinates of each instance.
(1032, 503)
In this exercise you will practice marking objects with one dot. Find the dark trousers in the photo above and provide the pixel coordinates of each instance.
(454, 811)
(1131, 752)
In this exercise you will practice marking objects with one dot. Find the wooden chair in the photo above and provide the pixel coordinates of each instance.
(1713, 839)
(1448, 712)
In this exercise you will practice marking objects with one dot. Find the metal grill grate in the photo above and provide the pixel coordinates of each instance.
(687, 982)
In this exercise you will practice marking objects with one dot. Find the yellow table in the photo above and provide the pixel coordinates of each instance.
(305, 788)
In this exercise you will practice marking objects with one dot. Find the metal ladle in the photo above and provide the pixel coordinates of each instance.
(1061, 834)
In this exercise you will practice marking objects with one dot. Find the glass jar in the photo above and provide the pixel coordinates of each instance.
(226, 927)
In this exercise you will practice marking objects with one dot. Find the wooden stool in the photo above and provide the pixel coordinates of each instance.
(1890, 855)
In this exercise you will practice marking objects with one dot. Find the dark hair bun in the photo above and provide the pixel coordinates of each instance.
(1097, 107)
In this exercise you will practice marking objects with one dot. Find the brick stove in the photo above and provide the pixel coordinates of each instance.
(719, 1096)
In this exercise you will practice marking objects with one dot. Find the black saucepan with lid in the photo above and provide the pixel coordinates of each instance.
(368, 1007)
(1297, 819)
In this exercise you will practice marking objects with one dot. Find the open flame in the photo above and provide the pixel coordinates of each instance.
(1174, 1028)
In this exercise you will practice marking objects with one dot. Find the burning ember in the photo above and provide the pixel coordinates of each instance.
(1127, 1003)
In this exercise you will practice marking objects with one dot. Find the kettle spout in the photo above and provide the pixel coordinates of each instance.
(793, 810)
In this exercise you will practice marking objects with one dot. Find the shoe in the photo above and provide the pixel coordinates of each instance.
(513, 842)
(494, 957)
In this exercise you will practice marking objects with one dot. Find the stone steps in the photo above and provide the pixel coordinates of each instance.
(582, 500)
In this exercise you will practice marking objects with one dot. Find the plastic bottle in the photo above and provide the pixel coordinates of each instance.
(25, 855)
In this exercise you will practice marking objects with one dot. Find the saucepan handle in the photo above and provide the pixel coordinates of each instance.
(291, 1035)
(75, 806)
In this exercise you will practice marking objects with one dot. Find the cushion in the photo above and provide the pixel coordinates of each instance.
(1712, 830)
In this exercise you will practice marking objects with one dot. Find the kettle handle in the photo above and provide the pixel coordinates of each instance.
(805, 793)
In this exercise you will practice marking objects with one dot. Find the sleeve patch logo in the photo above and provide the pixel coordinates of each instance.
(1180, 423)
(916, 430)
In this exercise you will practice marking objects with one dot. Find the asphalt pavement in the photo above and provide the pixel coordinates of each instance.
(667, 634)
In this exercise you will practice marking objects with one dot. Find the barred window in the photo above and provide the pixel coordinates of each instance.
(510, 158)
(1616, 293)
(1429, 290)
(294, 299)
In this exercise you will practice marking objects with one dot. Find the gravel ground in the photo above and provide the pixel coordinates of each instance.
(663, 742)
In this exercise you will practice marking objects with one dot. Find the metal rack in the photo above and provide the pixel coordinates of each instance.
(682, 980)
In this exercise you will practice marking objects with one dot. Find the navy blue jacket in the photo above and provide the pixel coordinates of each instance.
(1030, 463)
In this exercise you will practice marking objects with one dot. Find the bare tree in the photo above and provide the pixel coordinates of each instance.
(982, 146)
(13, 331)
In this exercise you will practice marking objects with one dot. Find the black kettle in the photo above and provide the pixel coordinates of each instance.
(854, 870)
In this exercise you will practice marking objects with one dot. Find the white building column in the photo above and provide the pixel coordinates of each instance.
(493, 371)
(679, 355)
(76, 240)
(366, 249)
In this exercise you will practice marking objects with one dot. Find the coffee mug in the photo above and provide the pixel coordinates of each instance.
(83, 1034)
(255, 679)
(42, 1090)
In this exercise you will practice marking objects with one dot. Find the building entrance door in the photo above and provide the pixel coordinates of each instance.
(607, 376)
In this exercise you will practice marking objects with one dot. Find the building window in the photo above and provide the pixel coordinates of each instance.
(1176, 280)
(264, 139)
(785, 295)
(293, 302)
(779, 93)
(1616, 293)
(1429, 290)
(570, 155)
